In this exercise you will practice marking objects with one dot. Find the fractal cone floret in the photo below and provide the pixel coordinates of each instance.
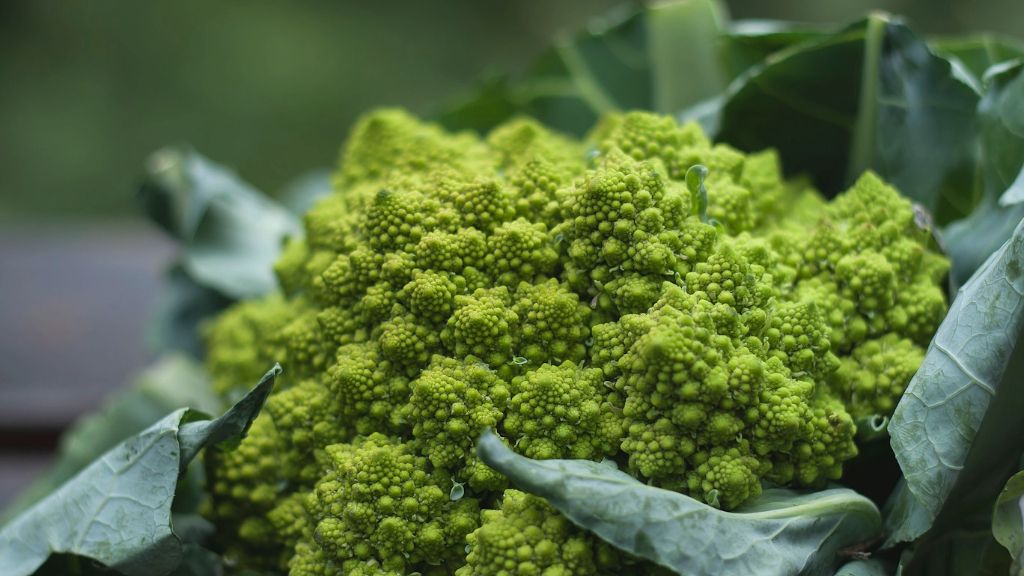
(583, 299)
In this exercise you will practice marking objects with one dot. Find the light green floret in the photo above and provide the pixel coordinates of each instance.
(244, 337)
(527, 537)
(391, 141)
(582, 301)
(561, 412)
(520, 251)
(379, 505)
(483, 325)
(451, 402)
(872, 379)
(553, 324)
(799, 336)
(369, 388)
(628, 229)
(711, 415)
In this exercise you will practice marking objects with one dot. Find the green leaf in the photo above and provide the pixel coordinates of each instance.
(939, 416)
(182, 306)
(666, 57)
(966, 549)
(870, 96)
(1001, 116)
(916, 126)
(1008, 519)
(803, 101)
(782, 532)
(117, 510)
(171, 382)
(230, 233)
(977, 53)
(906, 519)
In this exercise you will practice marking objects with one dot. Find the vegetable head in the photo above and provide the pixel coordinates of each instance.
(585, 300)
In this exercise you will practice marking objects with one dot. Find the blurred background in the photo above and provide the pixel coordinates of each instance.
(267, 88)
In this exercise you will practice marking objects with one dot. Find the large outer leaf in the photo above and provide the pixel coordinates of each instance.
(173, 381)
(1001, 116)
(230, 235)
(667, 57)
(936, 422)
(117, 511)
(230, 232)
(917, 122)
(871, 95)
(782, 532)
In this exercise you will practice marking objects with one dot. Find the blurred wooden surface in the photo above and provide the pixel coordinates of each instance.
(74, 300)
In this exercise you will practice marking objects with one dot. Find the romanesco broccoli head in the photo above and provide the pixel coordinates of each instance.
(584, 300)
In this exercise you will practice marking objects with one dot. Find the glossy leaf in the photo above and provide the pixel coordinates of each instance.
(117, 510)
(781, 532)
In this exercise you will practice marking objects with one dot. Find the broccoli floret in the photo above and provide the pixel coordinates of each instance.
(560, 412)
(379, 504)
(369, 387)
(520, 251)
(451, 402)
(554, 324)
(872, 379)
(240, 340)
(527, 537)
(580, 300)
(483, 325)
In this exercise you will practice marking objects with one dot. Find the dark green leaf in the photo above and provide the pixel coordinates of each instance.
(1001, 118)
(1008, 519)
(936, 421)
(117, 510)
(967, 549)
(198, 561)
(669, 56)
(230, 233)
(978, 53)
(782, 532)
(803, 101)
(749, 42)
(870, 96)
(916, 126)
(482, 107)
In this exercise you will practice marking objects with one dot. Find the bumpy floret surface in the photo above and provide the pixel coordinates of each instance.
(578, 298)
